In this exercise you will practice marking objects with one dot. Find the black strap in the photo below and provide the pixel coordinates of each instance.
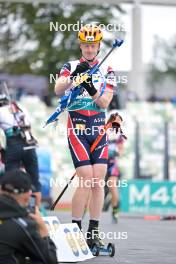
(14, 114)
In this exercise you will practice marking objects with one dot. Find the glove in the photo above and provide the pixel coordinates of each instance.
(89, 87)
(116, 123)
(80, 68)
(116, 126)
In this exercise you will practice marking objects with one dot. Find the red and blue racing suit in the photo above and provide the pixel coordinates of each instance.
(86, 118)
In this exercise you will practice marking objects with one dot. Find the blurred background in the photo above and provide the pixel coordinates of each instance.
(35, 41)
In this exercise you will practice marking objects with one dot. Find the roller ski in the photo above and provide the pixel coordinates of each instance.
(97, 246)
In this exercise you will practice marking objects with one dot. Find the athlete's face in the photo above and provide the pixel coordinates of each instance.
(89, 51)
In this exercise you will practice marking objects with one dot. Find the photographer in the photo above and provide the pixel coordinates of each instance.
(23, 236)
(20, 144)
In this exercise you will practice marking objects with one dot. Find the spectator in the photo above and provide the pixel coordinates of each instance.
(20, 144)
(23, 236)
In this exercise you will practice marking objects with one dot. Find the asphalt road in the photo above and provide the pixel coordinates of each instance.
(137, 241)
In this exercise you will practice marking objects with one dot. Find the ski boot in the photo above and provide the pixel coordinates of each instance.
(107, 202)
(115, 215)
(97, 246)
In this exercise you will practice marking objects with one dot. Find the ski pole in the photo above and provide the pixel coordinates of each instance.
(75, 91)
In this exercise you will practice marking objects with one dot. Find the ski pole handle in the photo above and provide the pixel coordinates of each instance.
(117, 43)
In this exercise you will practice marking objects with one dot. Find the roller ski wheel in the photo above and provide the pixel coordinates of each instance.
(108, 250)
(94, 242)
(95, 249)
(95, 246)
(111, 249)
(98, 248)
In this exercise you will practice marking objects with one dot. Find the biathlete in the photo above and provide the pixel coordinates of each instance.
(86, 117)
(116, 148)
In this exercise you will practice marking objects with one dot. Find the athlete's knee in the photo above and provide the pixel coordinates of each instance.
(98, 183)
(84, 180)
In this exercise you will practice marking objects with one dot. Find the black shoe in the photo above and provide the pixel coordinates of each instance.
(115, 215)
(94, 238)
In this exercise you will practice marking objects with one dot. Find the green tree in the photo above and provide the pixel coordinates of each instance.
(29, 46)
(164, 60)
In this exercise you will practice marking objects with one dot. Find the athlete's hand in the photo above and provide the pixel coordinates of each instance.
(80, 68)
(116, 126)
(88, 85)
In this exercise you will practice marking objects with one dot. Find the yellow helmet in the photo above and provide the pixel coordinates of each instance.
(90, 34)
